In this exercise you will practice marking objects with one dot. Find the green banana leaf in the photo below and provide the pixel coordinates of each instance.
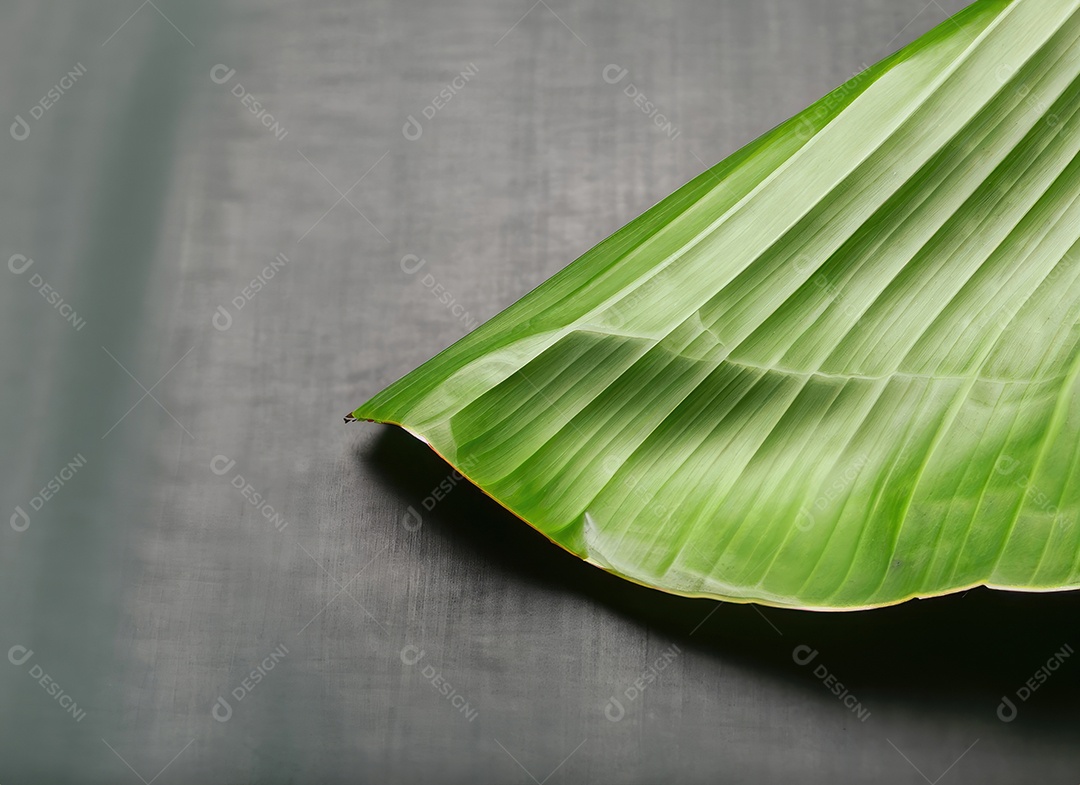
(838, 370)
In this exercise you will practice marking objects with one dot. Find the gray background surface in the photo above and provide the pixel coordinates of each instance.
(148, 586)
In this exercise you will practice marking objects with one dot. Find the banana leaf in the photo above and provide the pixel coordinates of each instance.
(837, 370)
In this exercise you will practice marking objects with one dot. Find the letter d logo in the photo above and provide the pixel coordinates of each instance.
(17, 654)
(806, 129)
(20, 521)
(221, 465)
(614, 710)
(411, 130)
(1006, 465)
(613, 74)
(220, 74)
(222, 319)
(411, 263)
(411, 520)
(804, 521)
(1007, 711)
(19, 129)
(19, 264)
(222, 711)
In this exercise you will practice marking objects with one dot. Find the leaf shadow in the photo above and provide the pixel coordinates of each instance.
(958, 654)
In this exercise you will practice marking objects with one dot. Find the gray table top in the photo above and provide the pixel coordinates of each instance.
(163, 623)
